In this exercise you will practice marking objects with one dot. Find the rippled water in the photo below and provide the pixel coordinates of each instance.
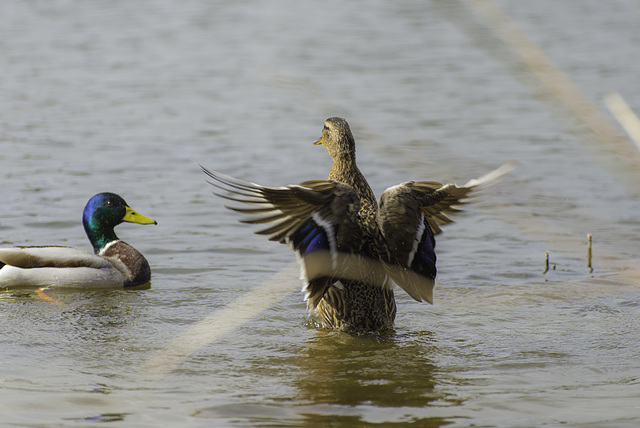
(130, 96)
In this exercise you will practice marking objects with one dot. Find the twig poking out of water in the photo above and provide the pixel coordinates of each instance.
(546, 262)
(589, 253)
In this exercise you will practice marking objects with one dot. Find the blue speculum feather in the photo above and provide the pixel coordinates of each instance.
(319, 242)
(310, 238)
(424, 262)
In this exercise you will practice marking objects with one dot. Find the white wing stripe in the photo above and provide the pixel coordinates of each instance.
(416, 242)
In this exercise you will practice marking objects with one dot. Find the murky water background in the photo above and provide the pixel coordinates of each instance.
(130, 96)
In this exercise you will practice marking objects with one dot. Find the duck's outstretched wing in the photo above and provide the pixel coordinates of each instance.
(55, 266)
(409, 216)
(316, 218)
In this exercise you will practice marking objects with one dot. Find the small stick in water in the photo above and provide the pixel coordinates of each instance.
(589, 253)
(546, 262)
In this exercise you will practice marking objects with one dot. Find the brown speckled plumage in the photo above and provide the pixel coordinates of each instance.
(353, 251)
(363, 304)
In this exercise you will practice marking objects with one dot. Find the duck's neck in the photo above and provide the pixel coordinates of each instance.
(343, 168)
(99, 236)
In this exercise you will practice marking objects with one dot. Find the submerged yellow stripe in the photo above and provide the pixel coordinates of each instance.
(221, 322)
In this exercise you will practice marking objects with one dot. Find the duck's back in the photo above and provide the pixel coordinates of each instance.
(364, 304)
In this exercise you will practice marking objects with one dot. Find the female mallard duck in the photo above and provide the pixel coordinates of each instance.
(353, 251)
(115, 263)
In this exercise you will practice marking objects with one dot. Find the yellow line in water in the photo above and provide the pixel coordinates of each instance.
(559, 83)
(624, 115)
(221, 322)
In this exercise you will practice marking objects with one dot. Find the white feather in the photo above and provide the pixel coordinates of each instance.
(333, 245)
(416, 242)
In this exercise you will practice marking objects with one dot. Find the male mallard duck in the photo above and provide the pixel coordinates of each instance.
(115, 263)
(352, 250)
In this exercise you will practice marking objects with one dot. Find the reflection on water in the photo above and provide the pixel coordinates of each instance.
(105, 417)
(341, 379)
(377, 370)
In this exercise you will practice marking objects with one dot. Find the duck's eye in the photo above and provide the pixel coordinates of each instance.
(108, 203)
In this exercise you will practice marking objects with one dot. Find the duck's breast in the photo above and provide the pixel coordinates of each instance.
(129, 261)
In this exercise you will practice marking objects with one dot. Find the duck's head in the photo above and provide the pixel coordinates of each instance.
(105, 211)
(337, 138)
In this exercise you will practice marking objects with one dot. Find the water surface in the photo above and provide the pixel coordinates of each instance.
(130, 96)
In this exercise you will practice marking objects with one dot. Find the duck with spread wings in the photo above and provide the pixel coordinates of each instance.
(352, 250)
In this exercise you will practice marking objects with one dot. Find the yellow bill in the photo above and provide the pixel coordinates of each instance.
(133, 217)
